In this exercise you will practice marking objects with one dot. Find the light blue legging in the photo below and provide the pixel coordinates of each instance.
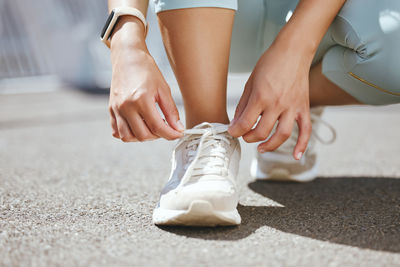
(360, 52)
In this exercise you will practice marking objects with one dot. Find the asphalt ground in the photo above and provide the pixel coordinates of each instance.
(71, 195)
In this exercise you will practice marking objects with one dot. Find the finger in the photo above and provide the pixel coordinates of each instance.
(139, 128)
(168, 108)
(263, 128)
(246, 120)
(124, 131)
(282, 133)
(157, 125)
(243, 101)
(305, 128)
(114, 126)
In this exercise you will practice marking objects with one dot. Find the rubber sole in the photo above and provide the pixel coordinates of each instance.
(199, 213)
(281, 174)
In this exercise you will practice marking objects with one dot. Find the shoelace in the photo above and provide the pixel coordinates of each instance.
(206, 152)
(291, 142)
(317, 119)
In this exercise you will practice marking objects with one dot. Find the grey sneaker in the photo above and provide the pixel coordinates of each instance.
(280, 165)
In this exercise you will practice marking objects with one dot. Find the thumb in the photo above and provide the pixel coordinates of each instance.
(168, 107)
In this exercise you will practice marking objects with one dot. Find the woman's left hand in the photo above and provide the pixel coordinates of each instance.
(277, 90)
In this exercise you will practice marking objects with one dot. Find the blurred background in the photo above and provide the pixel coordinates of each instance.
(54, 43)
(49, 44)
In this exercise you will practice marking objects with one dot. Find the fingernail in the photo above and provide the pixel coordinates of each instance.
(261, 150)
(180, 125)
(298, 156)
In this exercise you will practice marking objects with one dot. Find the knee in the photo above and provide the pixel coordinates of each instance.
(371, 36)
(347, 34)
(367, 27)
(344, 34)
(358, 27)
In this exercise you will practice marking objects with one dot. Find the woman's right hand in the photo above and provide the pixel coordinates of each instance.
(137, 86)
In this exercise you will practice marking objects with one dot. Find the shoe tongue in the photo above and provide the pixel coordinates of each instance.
(206, 125)
(216, 124)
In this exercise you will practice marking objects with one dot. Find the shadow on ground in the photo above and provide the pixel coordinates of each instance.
(360, 212)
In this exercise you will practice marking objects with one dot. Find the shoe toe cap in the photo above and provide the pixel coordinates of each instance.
(221, 194)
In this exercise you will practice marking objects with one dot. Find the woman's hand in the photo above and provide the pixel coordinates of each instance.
(277, 90)
(137, 87)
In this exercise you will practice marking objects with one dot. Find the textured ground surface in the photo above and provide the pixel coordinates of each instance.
(72, 195)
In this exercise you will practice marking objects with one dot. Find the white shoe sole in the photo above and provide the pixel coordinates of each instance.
(281, 174)
(199, 213)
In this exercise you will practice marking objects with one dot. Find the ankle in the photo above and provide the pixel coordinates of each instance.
(193, 121)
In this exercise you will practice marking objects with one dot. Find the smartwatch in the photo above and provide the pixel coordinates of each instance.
(113, 19)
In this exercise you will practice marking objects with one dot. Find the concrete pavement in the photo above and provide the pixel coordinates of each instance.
(71, 195)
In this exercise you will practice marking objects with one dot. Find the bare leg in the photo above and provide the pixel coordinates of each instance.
(197, 41)
(325, 93)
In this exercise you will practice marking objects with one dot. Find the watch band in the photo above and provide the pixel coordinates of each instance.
(113, 19)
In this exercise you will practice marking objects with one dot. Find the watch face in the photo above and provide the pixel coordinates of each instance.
(110, 17)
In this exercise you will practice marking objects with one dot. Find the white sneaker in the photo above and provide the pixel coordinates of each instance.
(201, 190)
(280, 165)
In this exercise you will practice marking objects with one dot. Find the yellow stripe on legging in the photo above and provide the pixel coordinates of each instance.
(373, 85)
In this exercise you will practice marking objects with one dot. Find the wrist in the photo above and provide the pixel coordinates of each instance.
(129, 33)
(127, 58)
(297, 41)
